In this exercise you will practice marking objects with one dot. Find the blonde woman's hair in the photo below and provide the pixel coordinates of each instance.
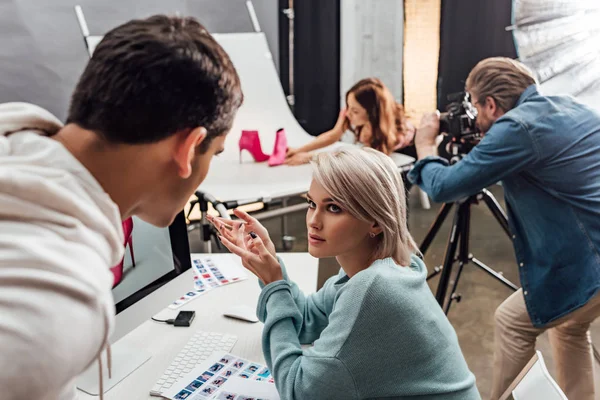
(367, 184)
(500, 78)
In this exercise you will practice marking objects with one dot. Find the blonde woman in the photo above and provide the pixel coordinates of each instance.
(376, 328)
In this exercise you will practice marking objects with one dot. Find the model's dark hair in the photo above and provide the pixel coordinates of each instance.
(149, 79)
(385, 115)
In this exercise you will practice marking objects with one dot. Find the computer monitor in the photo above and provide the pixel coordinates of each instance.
(160, 254)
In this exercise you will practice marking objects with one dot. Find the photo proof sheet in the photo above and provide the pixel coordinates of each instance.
(210, 272)
(224, 376)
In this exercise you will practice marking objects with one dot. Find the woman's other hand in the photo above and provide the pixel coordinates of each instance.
(298, 159)
(342, 122)
(291, 152)
(406, 138)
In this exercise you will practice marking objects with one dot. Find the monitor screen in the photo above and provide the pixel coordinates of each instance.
(160, 255)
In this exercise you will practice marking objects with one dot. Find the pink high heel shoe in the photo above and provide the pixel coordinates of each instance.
(250, 141)
(278, 155)
(117, 270)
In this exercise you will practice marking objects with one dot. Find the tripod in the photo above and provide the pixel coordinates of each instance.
(459, 232)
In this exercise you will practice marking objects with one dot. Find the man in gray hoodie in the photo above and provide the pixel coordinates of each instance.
(151, 109)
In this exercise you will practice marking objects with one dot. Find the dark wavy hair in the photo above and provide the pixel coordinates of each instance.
(386, 117)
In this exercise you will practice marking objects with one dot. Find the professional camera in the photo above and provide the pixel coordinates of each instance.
(458, 123)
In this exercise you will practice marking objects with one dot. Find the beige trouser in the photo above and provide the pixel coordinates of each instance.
(570, 339)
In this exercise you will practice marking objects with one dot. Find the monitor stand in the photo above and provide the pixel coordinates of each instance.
(125, 360)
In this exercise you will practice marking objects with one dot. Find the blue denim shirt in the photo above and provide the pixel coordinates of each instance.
(546, 152)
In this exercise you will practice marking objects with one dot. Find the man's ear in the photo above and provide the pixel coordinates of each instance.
(492, 106)
(186, 149)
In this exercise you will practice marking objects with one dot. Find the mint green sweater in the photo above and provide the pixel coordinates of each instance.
(380, 334)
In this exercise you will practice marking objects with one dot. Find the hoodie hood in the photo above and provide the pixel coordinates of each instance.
(16, 117)
(40, 172)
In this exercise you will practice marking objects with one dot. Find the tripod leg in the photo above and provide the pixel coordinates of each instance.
(495, 274)
(453, 295)
(496, 210)
(465, 232)
(435, 227)
(463, 251)
(442, 288)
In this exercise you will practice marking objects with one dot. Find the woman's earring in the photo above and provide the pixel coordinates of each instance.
(372, 235)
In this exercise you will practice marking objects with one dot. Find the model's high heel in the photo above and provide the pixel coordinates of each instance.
(130, 243)
(250, 141)
(279, 150)
(127, 232)
(117, 270)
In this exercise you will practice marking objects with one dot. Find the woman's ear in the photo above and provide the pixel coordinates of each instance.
(375, 229)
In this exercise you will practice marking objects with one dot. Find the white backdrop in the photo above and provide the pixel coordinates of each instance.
(265, 109)
(372, 43)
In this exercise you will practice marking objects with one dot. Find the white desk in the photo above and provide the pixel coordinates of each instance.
(164, 341)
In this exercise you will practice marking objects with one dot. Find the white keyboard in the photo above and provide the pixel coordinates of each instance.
(197, 349)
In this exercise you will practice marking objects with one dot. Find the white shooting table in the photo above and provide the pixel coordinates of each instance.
(165, 341)
(265, 109)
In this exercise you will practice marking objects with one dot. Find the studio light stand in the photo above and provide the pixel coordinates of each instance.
(458, 239)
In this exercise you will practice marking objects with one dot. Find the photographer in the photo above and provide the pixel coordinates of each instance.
(546, 152)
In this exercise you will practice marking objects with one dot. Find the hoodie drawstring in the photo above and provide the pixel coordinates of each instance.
(100, 376)
(101, 380)
(109, 359)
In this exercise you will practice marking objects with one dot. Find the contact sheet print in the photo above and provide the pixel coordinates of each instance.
(224, 376)
(210, 272)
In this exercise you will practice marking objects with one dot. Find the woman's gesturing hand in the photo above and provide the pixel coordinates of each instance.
(250, 240)
(225, 226)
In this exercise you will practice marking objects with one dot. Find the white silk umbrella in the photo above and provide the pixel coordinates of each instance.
(560, 41)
